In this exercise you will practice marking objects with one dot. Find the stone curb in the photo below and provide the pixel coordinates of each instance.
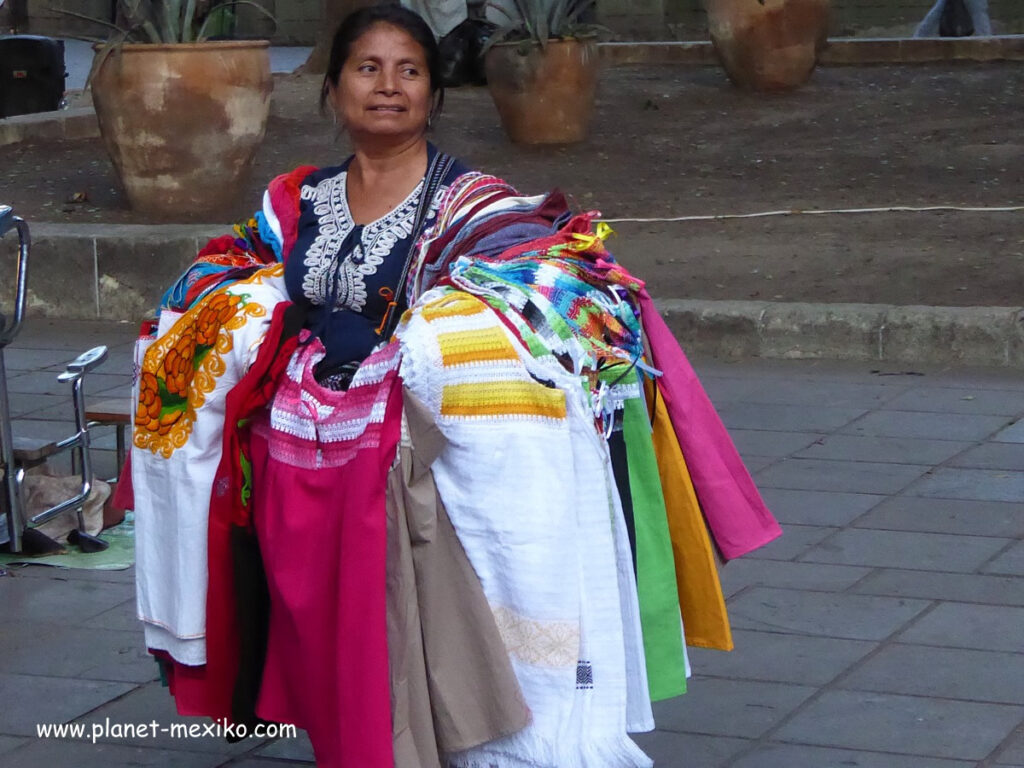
(839, 51)
(988, 336)
(77, 123)
(80, 123)
(117, 272)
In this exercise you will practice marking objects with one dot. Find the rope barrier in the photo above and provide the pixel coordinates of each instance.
(821, 212)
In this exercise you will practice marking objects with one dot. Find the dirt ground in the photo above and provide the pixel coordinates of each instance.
(674, 141)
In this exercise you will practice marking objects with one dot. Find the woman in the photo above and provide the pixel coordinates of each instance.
(290, 569)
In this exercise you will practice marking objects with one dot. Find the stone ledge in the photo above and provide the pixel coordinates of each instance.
(839, 51)
(119, 272)
(77, 123)
(991, 336)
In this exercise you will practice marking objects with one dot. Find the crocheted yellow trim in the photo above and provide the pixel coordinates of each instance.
(475, 346)
(456, 304)
(502, 398)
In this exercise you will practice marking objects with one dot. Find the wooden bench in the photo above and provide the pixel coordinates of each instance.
(30, 451)
(112, 413)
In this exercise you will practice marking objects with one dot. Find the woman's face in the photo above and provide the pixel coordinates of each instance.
(383, 90)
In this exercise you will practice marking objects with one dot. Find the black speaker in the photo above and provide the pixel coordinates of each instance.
(31, 74)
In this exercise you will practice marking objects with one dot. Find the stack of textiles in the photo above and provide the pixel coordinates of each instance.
(490, 550)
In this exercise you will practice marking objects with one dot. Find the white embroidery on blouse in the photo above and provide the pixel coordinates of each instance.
(377, 240)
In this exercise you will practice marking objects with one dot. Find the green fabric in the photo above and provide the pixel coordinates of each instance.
(118, 556)
(656, 571)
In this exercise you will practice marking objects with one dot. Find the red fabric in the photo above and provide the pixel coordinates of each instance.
(322, 532)
(207, 690)
(124, 494)
(217, 246)
(285, 192)
(737, 516)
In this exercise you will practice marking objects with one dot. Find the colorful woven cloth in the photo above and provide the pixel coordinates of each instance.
(525, 479)
(186, 375)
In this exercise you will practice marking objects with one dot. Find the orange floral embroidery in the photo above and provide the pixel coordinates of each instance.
(183, 366)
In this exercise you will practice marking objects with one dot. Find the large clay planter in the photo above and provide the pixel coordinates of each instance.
(544, 95)
(769, 45)
(182, 123)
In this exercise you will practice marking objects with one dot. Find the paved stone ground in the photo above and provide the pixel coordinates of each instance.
(883, 630)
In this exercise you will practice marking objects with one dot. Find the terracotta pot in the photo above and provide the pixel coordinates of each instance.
(182, 122)
(544, 95)
(769, 45)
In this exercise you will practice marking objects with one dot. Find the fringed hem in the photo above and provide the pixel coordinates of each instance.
(616, 752)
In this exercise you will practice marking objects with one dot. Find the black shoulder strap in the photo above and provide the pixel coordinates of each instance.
(436, 172)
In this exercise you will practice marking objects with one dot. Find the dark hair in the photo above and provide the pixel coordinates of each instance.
(357, 22)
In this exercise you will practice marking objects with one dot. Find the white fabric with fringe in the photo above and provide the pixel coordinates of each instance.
(531, 496)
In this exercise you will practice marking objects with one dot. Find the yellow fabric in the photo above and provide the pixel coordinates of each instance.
(502, 398)
(475, 346)
(705, 621)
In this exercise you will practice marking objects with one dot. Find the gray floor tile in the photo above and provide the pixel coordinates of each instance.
(818, 507)
(906, 549)
(780, 658)
(949, 673)
(725, 389)
(1013, 752)
(153, 703)
(843, 476)
(926, 426)
(955, 516)
(966, 625)
(799, 756)
(786, 418)
(298, 748)
(60, 575)
(823, 614)
(1012, 434)
(960, 587)
(42, 700)
(747, 571)
(755, 442)
(23, 404)
(55, 333)
(975, 379)
(806, 391)
(48, 752)
(21, 359)
(121, 617)
(992, 456)
(903, 724)
(981, 484)
(11, 743)
(73, 601)
(672, 750)
(729, 707)
(1010, 562)
(897, 450)
(263, 763)
(959, 400)
(794, 541)
(757, 463)
(86, 653)
(45, 383)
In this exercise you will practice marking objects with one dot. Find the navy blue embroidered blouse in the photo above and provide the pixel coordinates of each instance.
(342, 271)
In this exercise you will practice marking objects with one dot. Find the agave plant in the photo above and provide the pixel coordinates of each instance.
(541, 20)
(165, 21)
